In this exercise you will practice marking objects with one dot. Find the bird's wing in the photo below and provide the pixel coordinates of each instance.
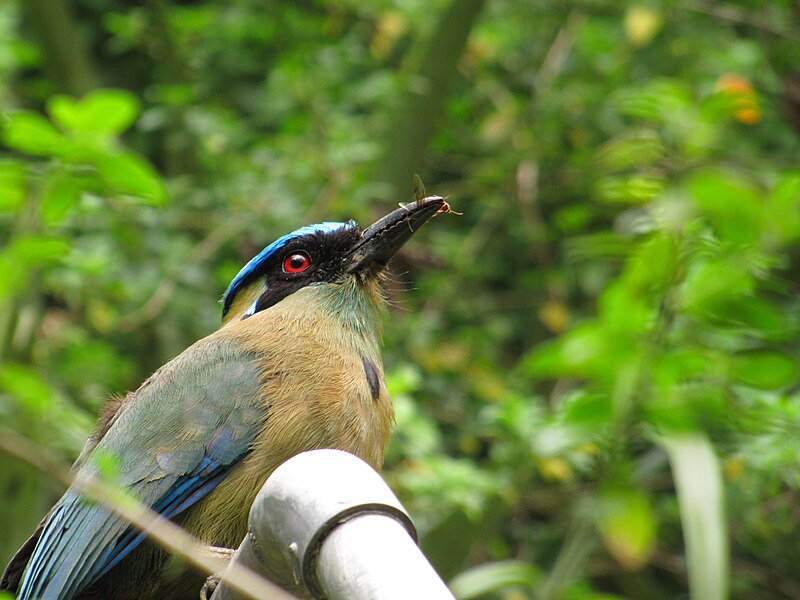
(172, 444)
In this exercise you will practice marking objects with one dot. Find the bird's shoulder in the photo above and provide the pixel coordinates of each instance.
(185, 396)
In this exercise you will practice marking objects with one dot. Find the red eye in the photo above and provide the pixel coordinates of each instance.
(296, 263)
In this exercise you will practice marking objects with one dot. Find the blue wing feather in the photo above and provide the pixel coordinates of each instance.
(183, 432)
(180, 497)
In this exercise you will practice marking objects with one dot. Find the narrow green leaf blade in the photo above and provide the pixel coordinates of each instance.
(698, 480)
(494, 576)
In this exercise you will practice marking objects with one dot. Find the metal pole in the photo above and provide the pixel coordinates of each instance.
(326, 525)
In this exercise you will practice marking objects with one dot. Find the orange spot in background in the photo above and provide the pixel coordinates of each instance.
(745, 101)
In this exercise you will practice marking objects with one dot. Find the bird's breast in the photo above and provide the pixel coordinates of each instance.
(323, 386)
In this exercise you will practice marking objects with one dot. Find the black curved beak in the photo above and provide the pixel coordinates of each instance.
(381, 240)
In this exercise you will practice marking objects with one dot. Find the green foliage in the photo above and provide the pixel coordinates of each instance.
(594, 369)
(488, 577)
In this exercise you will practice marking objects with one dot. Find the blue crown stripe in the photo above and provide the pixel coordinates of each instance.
(255, 263)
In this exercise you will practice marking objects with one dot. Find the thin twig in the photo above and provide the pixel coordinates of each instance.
(559, 50)
(740, 17)
(574, 553)
(164, 532)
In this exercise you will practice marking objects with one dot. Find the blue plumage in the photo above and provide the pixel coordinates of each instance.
(247, 272)
(184, 492)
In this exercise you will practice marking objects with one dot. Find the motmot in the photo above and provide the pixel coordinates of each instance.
(295, 366)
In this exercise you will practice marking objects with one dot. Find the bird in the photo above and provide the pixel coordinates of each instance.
(295, 366)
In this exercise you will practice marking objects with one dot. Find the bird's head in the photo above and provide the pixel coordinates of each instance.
(328, 253)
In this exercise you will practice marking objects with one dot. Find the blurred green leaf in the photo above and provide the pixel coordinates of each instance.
(583, 408)
(764, 369)
(13, 185)
(27, 386)
(107, 465)
(105, 111)
(652, 265)
(30, 133)
(25, 254)
(631, 150)
(625, 310)
(59, 195)
(15, 275)
(127, 173)
(454, 483)
(494, 576)
(659, 100)
(637, 189)
(731, 202)
(711, 282)
(575, 353)
(754, 314)
(417, 435)
(783, 207)
(35, 250)
(627, 523)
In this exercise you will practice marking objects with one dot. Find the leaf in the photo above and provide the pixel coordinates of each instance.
(31, 133)
(106, 111)
(35, 250)
(627, 523)
(27, 386)
(698, 480)
(109, 111)
(15, 275)
(733, 204)
(630, 150)
(64, 111)
(653, 264)
(764, 370)
(590, 350)
(24, 254)
(637, 189)
(711, 282)
(658, 100)
(583, 408)
(59, 194)
(766, 318)
(623, 308)
(130, 174)
(12, 185)
(571, 354)
(494, 576)
(783, 207)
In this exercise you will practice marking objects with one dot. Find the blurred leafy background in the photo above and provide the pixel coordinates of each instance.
(595, 368)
